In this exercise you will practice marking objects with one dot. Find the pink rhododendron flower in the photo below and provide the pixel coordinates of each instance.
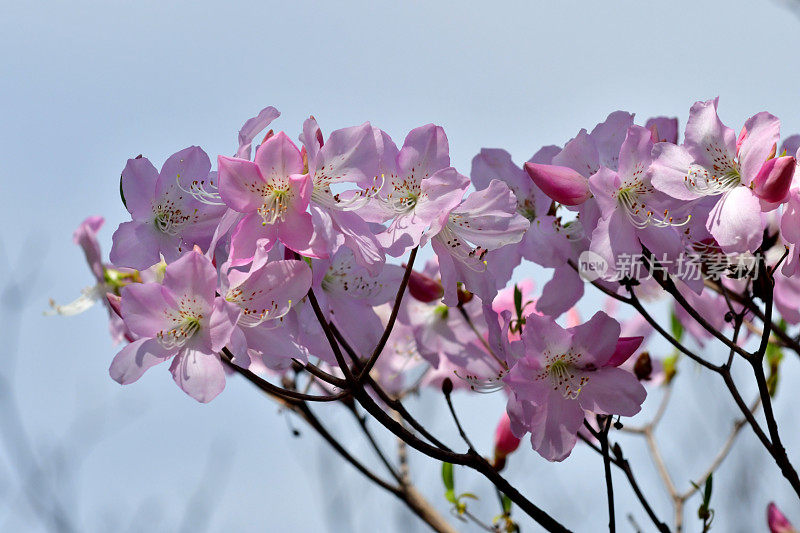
(350, 155)
(347, 294)
(421, 187)
(167, 218)
(711, 162)
(544, 243)
(265, 295)
(107, 281)
(633, 213)
(273, 193)
(486, 219)
(564, 373)
(180, 319)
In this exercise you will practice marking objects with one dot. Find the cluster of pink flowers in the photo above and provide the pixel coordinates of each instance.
(226, 258)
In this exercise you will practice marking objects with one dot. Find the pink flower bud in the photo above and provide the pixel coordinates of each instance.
(504, 441)
(772, 182)
(423, 288)
(777, 521)
(114, 303)
(562, 184)
(625, 348)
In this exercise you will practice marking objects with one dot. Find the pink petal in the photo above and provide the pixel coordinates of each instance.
(763, 134)
(186, 166)
(635, 153)
(144, 307)
(253, 127)
(135, 245)
(424, 151)
(669, 170)
(296, 232)
(563, 291)
(135, 358)
(278, 157)
(626, 346)
(609, 135)
(612, 391)
(706, 136)
(596, 338)
(222, 322)
(736, 221)
(199, 374)
(86, 237)
(350, 155)
(554, 429)
(192, 276)
(251, 230)
(139, 178)
(239, 184)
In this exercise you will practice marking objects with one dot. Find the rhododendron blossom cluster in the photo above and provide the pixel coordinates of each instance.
(294, 263)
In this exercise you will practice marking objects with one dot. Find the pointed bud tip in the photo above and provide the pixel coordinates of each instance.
(424, 288)
(777, 521)
(773, 181)
(505, 442)
(562, 184)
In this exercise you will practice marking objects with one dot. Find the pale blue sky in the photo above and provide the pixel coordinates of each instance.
(85, 85)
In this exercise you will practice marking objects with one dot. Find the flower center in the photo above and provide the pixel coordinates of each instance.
(404, 196)
(169, 218)
(526, 209)
(254, 316)
(324, 196)
(564, 375)
(177, 336)
(629, 197)
(275, 205)
(723, 176)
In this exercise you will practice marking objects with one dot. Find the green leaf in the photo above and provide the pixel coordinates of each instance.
(707, 492)
(774, 356)
(518, 300)
(447, 477)
(507, 503)
(676, 326)
(670, 367)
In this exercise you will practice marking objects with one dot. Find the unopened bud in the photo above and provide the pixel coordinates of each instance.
(464, 296)
(424, 288)
(505, 442)
(772, 182)
(115, 303)
(562, 184)
(447, 386)
(777, 521)
(643, 367)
